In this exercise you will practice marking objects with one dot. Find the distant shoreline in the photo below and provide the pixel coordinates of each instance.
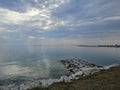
(116, 46)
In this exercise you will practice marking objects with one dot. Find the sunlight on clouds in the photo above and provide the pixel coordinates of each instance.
(10, 17)
(33, 12)
(36, 37)
(31, 37)
(39, 17)
(51, 4)
(58, 19)
(33, 17)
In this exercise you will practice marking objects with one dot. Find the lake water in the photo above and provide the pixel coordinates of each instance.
(21, 63)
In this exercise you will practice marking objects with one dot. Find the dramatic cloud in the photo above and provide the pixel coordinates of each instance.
(59, 19)
(34, 17)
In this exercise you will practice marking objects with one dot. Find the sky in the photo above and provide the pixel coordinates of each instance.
(56, 22)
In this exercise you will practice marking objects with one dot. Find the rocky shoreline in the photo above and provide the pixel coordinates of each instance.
(76, 69)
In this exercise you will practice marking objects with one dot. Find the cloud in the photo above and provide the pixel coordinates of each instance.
(13, 17)
(71, 19)
(3, 30)
(94, 22)
(27, 23)
(5, 37)
(36, 37)
(37, 17)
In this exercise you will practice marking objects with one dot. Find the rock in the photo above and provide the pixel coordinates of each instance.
(65, 79)
(78, 67)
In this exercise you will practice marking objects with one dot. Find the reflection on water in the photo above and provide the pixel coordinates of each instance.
(34, 62)
(13, 70)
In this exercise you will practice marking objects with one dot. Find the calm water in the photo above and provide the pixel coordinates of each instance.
(27, 62)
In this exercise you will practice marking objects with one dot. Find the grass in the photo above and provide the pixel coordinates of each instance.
(103, 80)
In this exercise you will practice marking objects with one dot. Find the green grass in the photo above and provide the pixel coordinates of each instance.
(103, 80)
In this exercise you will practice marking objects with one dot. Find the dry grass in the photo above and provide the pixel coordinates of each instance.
(103, 80)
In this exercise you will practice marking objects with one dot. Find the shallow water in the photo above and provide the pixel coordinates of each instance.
(21, 63)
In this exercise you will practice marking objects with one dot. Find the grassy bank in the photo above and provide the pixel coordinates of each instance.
(103, 80)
